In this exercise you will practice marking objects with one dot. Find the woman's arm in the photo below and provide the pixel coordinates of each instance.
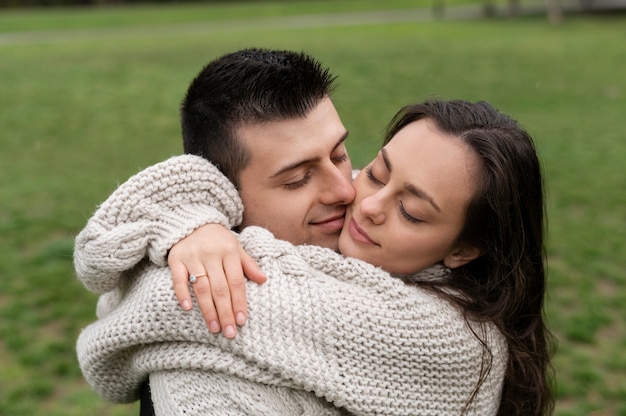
(203, 392)
(339, 327)
(150, 212)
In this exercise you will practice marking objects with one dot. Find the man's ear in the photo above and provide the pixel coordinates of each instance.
(461, 255)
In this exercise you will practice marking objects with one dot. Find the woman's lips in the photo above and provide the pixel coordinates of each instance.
(358, 234)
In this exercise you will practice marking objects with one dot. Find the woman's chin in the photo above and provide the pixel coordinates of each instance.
(350, 248)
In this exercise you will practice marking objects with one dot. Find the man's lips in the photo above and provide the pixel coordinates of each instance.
(358, 234)
(331, 224)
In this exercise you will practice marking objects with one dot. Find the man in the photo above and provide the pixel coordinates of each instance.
(265, 118)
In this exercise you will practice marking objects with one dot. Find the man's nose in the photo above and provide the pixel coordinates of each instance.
(339, 188)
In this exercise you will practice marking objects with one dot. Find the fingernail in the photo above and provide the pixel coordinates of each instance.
(186, 305)
(229, 331)
(241, 318)
(214, 326)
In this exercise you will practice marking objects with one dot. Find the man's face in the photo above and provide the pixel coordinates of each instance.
(298, 181)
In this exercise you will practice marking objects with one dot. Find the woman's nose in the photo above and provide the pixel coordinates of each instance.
(373, 207)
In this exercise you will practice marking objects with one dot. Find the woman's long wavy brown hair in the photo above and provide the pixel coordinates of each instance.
(506, 221)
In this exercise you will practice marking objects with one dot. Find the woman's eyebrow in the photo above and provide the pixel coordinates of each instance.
(383, 153)
(414, 190)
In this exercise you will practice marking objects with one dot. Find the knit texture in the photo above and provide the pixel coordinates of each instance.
(231, 396)
(323, 329)
(148, 214)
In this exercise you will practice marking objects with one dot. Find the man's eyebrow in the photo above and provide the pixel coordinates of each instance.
(299, 163)
(414, 190)
(341, 140)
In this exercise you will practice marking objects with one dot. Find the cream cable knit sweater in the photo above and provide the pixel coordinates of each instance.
(339, 328)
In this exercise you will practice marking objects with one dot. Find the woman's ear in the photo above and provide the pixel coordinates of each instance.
(461, 255)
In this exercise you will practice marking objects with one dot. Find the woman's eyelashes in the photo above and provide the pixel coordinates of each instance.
(403, 212)
(408, 216)
(370, 175)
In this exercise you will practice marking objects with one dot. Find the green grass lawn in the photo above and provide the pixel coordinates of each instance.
(90, 96)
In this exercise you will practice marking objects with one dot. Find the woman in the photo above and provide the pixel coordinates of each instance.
(456, 184)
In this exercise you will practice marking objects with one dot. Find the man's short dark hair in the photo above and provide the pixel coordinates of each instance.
(247, 87)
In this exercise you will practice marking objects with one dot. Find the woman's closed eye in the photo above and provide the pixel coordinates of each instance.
(371, 177)
(408, 216)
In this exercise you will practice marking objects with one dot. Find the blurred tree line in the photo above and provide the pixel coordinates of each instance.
(51, 3)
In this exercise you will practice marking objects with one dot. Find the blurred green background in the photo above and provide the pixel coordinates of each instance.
(89, 96)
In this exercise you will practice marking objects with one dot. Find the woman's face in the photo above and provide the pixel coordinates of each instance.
(410, 202)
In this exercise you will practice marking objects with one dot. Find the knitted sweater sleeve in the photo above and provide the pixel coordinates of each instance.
(148, 214)
(365, 340)
(340, 328)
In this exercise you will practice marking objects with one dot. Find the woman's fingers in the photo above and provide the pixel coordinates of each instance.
(237, 288)
(250, 268)
(181, 284)
(213, 255)
(202, 287)
(220, 295)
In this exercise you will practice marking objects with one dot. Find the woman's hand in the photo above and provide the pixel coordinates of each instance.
(214, 256)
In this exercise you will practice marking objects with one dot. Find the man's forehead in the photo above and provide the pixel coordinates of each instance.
(285, 146)
(282, 145)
